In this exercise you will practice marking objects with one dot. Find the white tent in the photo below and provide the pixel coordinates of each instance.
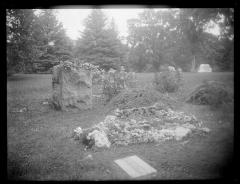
(205, 68)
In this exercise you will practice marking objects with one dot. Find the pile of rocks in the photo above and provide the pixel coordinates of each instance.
(142, 125)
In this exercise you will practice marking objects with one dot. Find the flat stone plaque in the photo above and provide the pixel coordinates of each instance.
(135, 167)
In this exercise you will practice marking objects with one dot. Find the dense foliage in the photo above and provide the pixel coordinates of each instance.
(180, 37)
(177, 37)
(115, 82)
(35, 42)
(99, 44)
(168, 81)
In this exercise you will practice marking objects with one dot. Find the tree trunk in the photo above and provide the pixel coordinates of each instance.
(193, 65)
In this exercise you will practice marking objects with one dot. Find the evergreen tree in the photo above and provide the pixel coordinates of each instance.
(99, 45)
(52, 43)
(35, 43)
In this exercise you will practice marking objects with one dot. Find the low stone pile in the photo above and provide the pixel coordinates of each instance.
(141, 125)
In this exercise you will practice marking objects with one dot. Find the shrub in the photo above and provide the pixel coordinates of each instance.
(112, 85)
(97, 72)
(168, 81)
(130, 80)
(114, 82)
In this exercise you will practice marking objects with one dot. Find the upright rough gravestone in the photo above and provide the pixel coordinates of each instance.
(171, 69)
(72, 87)
(205, 68)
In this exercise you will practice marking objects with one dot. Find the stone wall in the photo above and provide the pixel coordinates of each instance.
(72, 87)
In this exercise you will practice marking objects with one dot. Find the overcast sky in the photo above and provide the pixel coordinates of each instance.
(72, 19)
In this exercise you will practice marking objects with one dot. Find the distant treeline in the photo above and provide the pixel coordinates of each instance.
(177, 37)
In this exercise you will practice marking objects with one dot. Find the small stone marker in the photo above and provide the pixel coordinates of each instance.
(134, 166)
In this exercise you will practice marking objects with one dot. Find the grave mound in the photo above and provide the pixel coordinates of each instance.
(149, 124)
(210, 93)
(138, 98)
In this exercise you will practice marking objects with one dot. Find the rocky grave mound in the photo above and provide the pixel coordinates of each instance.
(138, 98)
(210, 93)
(147, 124)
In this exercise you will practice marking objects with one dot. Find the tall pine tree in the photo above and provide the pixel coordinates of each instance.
(52, 43)
(99, 45)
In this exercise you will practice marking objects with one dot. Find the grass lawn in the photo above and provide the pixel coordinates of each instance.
(40, 146)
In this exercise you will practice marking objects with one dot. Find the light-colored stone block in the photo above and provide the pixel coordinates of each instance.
(135, 167)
